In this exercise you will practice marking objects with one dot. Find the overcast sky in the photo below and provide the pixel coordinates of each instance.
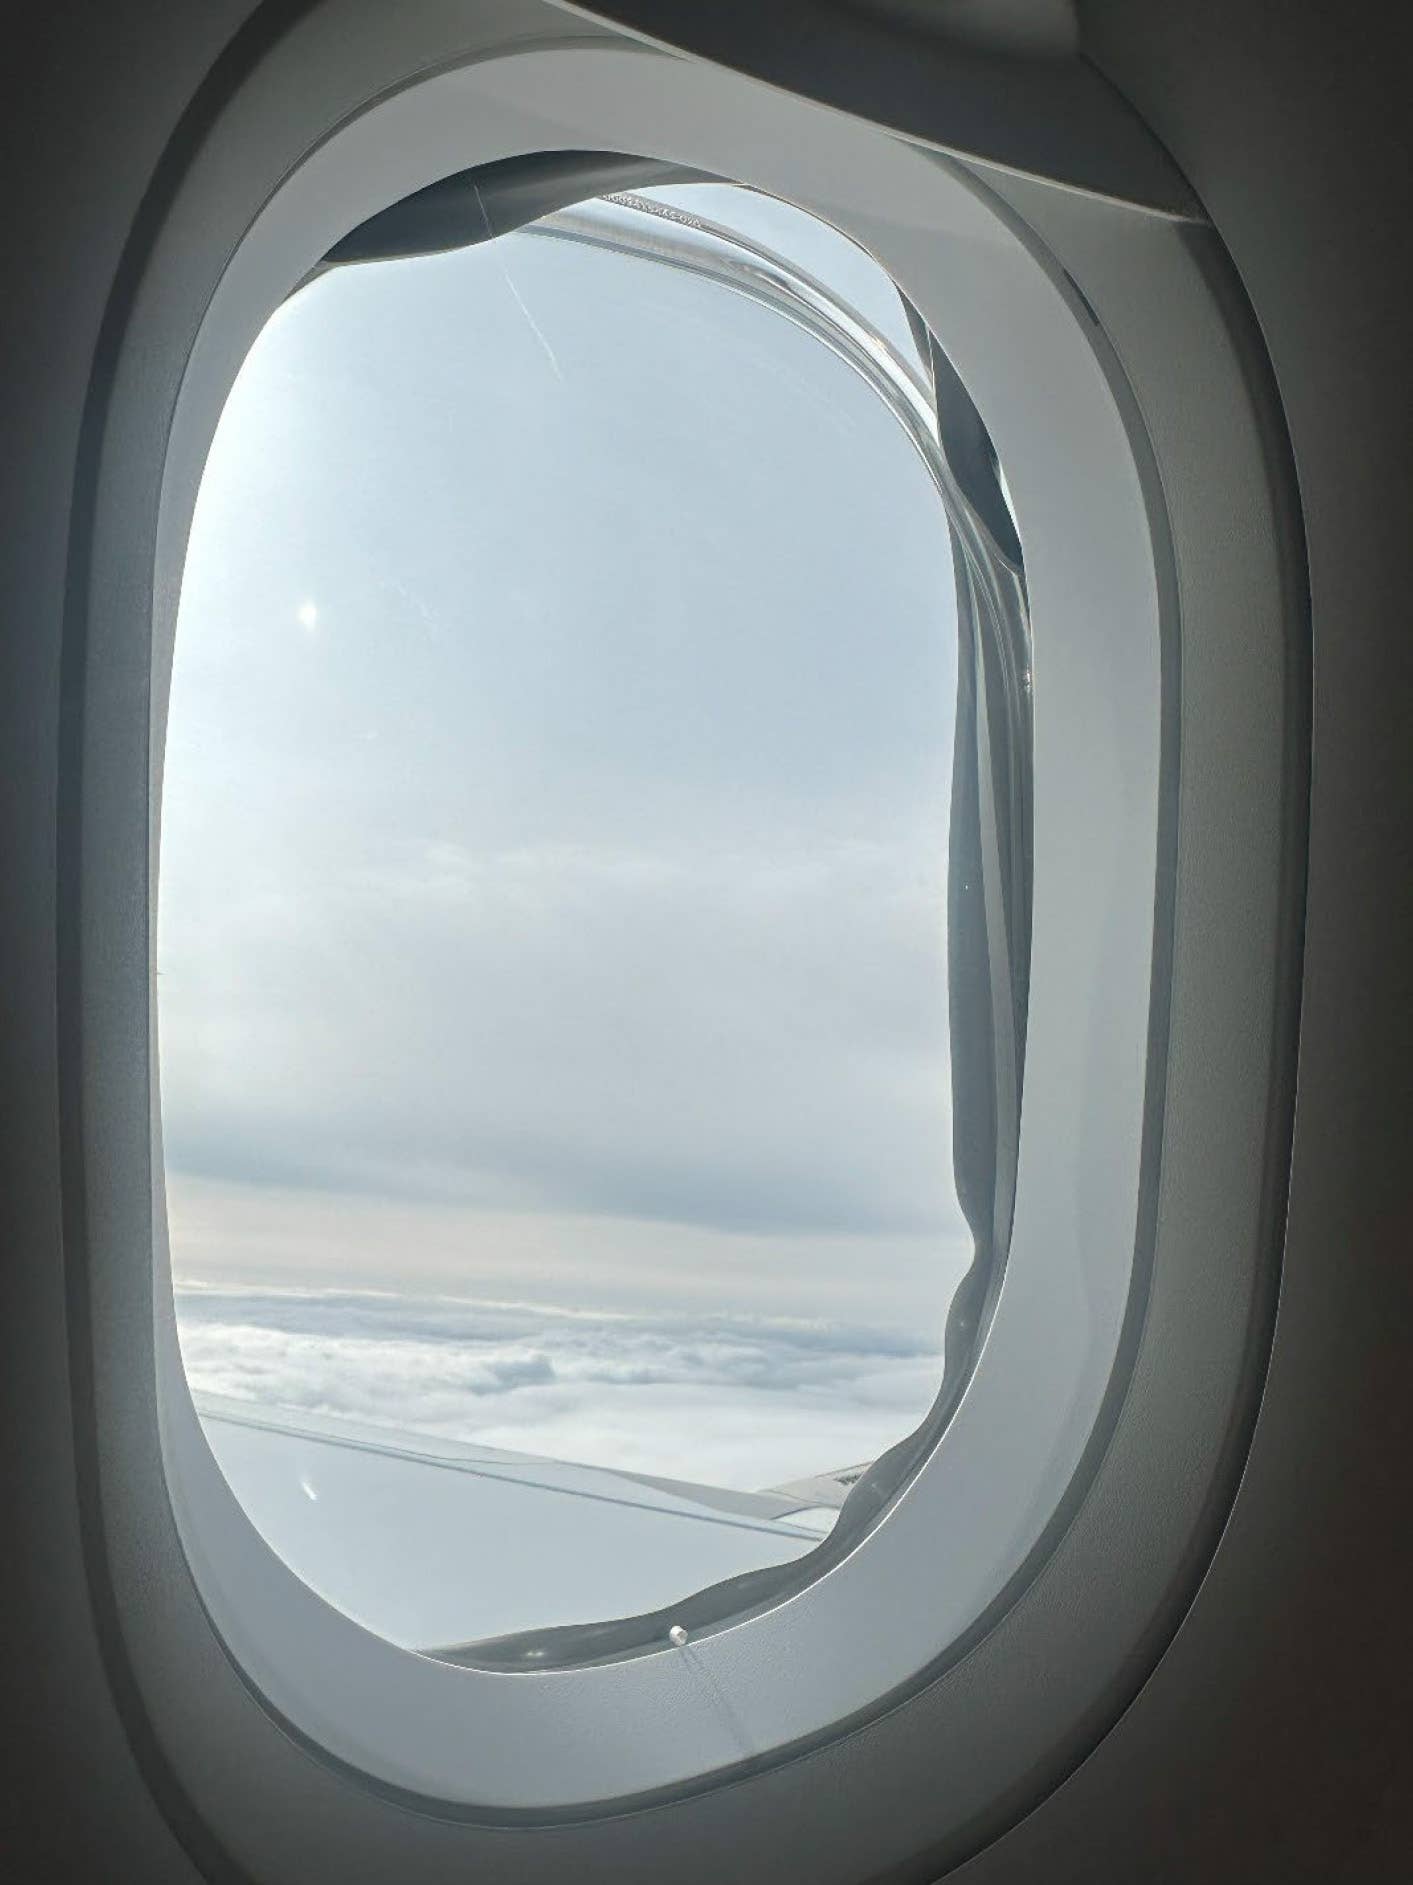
(553, 861)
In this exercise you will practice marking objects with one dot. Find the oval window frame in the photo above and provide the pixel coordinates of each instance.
(155, 1606)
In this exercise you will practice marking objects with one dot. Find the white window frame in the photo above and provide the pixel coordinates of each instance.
(1132, 561)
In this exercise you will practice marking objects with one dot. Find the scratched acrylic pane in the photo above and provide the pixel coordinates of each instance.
(552, 974)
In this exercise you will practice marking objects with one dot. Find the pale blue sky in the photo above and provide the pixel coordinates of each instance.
(553, 868)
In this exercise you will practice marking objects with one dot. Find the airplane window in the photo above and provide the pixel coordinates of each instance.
(552, 934)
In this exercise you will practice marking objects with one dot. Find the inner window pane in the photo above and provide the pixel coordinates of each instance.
(552, 993)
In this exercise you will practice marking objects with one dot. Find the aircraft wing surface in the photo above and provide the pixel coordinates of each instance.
(430, 1541)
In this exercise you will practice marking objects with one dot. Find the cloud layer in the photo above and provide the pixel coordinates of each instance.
(726, 1400)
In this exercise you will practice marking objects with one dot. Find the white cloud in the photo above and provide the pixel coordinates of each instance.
(727, 1400)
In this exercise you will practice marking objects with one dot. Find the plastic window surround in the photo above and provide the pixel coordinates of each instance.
(1094, 873)
(198, 1615)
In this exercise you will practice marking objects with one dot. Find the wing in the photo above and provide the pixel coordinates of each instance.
(428, 1541)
